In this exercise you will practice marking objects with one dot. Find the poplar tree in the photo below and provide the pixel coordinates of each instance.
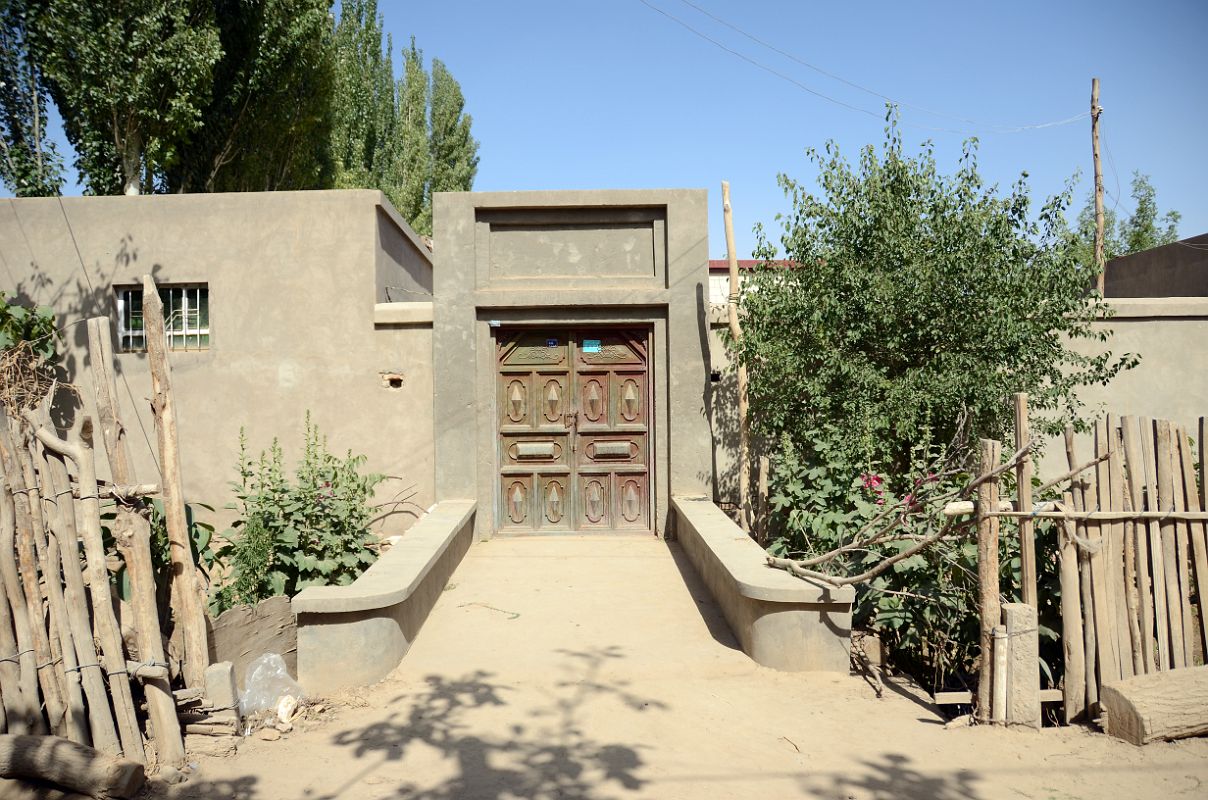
(131, 81)
(267, 124)
(30, 164)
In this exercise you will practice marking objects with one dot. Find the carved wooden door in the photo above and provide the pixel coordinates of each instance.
(574, 431)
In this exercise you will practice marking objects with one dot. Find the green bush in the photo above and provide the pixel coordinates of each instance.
(311, 531)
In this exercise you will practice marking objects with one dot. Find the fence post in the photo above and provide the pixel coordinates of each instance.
(987, 572)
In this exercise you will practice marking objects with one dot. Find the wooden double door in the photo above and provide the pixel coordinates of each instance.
(573, 416)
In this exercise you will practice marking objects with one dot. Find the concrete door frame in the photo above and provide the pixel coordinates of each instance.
(590, 280)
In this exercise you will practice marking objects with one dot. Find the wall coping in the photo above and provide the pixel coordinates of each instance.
(404, 313)
(1150, 307)
(746, 561)
(393, 577)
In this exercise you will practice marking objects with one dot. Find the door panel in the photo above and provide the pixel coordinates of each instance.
(573, 421)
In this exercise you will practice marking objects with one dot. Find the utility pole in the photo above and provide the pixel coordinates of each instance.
(1096, 110)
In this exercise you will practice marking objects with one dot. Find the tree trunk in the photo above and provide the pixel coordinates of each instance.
(132, 162)
(69, 765)
(1158, 706)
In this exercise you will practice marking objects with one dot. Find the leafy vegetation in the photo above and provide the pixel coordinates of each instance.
(30, 165)
(906, 309)
(227, 95)
(1145, 228)
(311, 531)
(35, 326)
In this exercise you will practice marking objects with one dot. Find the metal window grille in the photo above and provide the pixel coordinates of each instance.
(186, 317)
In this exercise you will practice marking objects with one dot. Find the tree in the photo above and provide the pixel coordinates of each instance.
(914, 300)
(454, 150)
(407, 138)
(131, 81)
(1142, 230)
(31, 164)
(267, 123)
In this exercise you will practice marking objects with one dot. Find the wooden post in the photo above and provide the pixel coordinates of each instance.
(1128, 648)
(22, 705)
(1135, 471)
(1099, 257)
(28, 572)
(132, 534)
(52, 572)
(744, 425)
(100, 721)
(998, 704)
(1023, 474)
(1090, 644)
(1072, 642)
(187, 592)
(761, 515)
(1157, 548)
(1191, 536)
(1175, 599)
(987, 574)
(113, 656)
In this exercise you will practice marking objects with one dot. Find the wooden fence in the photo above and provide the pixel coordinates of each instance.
(65, 667)
(1133, 557)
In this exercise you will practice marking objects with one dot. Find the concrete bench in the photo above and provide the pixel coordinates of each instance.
(355, 635)
(781, 621)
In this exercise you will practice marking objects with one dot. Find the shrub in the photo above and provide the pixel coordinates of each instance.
(311, 531)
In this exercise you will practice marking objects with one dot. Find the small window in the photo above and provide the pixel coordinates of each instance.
(186, 317)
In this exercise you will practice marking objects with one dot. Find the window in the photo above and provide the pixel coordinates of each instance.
(186, 317)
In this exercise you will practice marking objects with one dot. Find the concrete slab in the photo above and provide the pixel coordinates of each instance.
(596, 668)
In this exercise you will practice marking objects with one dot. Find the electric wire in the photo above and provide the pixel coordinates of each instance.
(821, 95)
(1001, 128)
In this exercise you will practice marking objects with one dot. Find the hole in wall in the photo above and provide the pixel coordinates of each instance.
(714, 376)
(392, 380)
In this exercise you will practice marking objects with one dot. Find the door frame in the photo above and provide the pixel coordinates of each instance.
(651, 319)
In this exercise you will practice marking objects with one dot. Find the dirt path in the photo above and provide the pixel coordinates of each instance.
(591, 669)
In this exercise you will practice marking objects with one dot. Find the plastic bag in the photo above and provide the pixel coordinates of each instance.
(267, 681)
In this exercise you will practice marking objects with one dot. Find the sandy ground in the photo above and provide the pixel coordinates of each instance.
(599, 668)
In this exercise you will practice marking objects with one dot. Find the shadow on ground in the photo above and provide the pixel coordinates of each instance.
(890, 776)
(548, 752)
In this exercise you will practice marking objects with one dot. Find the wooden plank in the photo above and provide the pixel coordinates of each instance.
(1197, 532)
(187, 592)
(1170, 559)
(1023, 475)
(1090, 646)
(987, 575)
(1162, 706)
(1106, 633)
(1157, 560)
(1134, 471)
(1116, 560)
(1182, 542)
(1072, 636)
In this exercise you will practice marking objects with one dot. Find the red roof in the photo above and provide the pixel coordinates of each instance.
(723, 264)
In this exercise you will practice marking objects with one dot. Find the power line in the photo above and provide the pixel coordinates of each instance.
(994, 128)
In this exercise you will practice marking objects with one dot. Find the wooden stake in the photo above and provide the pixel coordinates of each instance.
(100, 720)
(1157, 560)
(113, 657)
(27, 561)
(744, 425)
(1106, 633)
(1090, 645)
(1100, 263)
(1183, 493)
(1170, 559)
(52, 572)
(188, 595)
(987, 575)
(1187, 490)
(1072, 635)
(1129, 652)
(25, 652)
(132, 533)
(761, 515)
(1135, 474)
(1023, 475)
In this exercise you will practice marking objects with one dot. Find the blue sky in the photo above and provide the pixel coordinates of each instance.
(574, 94)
